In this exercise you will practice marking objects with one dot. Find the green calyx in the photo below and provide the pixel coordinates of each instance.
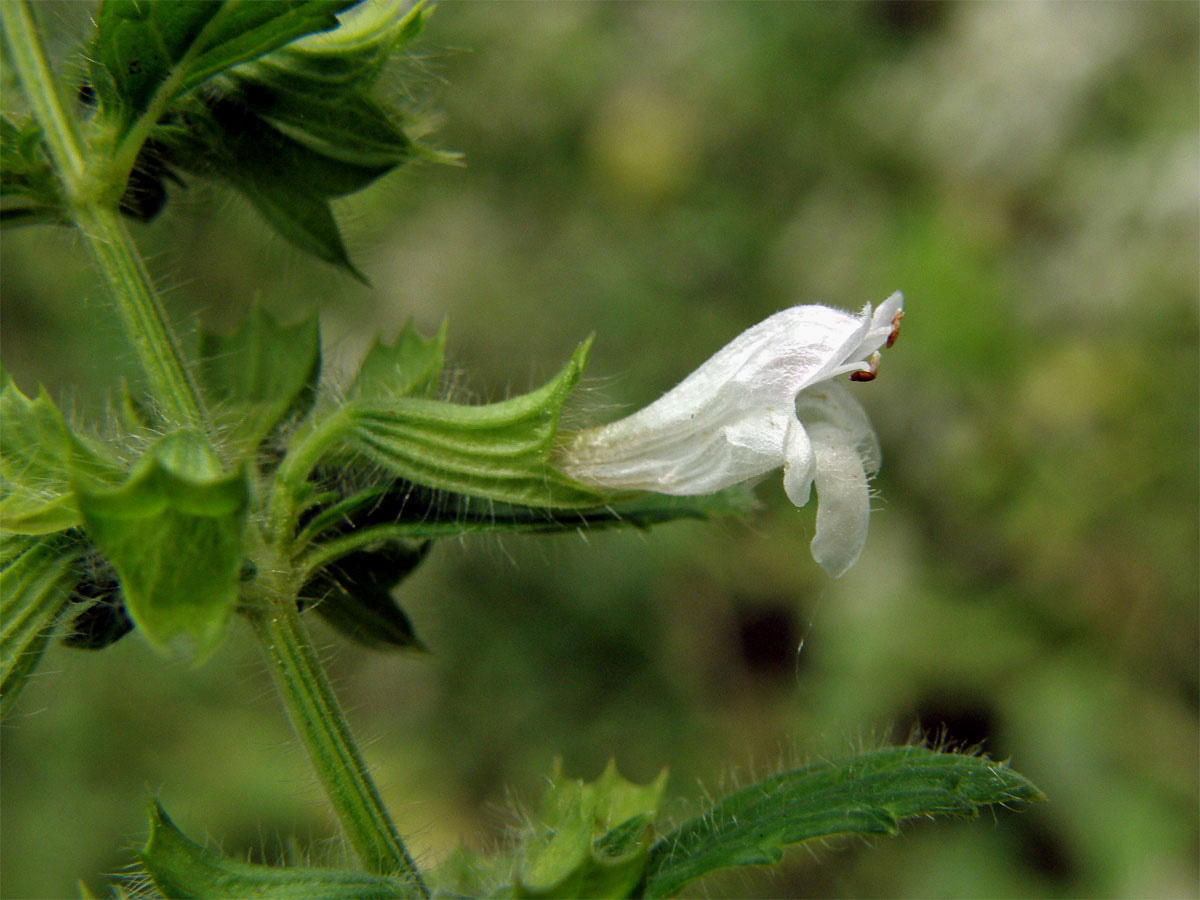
(173, 532)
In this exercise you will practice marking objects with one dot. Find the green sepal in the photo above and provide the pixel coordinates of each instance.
(173, 532)
(595, 837)
(338, 63)
(36, 574)
(261, 376)
(497, 451)
(354, 131)
(146, 53)
(39, 457)
(179, 867)
(354, 595)
(410, 366)
(590, 840)
(29, 190)
(868, 794)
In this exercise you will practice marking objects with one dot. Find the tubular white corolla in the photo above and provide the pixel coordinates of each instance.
(764, 401)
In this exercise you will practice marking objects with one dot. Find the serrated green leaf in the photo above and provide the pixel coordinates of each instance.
(173, 533)
(36, 574)
(354, 596)
(596, 837)
(287, 121)
(39, 457)
(288, 184)
(150, 51)
(408, 367)
(496, 452)
(182, 868)
(869, 794)
(304, 220)
(261, 376)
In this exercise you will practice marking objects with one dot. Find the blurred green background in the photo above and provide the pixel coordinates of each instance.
(666, 175)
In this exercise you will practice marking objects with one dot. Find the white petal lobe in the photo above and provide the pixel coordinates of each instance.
(843, 501)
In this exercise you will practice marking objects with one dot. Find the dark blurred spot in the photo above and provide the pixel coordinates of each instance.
(144, 197)
(104, 620)
(1188, 688)
(911, 17)
(769, 638)
(100, 625)
(86, 95)
(100, 583)
(956, 722)
(1042, 850)
(145, 192)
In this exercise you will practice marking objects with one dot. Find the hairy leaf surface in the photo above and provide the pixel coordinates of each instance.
(179, 867)
(869, 794)
(39, 457)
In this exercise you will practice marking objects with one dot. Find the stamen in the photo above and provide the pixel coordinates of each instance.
(895, 327)
(870, 373)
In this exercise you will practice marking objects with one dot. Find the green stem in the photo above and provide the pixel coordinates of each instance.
(93, 208)
(142, 314)
(317, 719)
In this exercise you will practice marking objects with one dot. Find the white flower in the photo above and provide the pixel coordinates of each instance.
(767, 400)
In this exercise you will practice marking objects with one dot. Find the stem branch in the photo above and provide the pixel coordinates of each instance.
(321, 726)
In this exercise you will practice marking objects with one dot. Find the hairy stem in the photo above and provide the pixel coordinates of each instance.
(93, 208)
(321, 726)
(142, 314)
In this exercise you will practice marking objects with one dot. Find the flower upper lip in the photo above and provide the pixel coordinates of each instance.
(762, 402)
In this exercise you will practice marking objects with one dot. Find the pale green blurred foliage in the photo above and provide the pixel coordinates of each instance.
(665, 175)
